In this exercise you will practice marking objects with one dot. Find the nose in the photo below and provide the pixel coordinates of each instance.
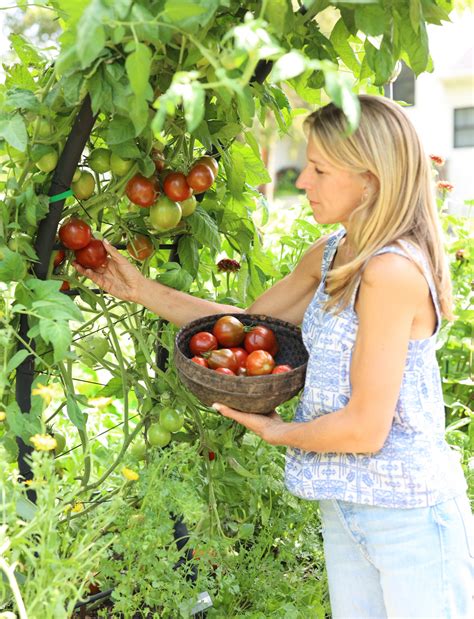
(302, 180)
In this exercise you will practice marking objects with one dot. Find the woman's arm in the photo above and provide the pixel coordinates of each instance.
(390, 291)
(286, 300)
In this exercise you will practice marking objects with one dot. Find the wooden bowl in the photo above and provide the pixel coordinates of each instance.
(250, 394)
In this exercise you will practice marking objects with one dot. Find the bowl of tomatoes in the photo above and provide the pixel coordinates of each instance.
(249, 362)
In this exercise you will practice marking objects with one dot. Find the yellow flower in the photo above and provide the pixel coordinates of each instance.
(129, 474)
(77, 507)
(3, 415)
(44, 442)
(44, 391)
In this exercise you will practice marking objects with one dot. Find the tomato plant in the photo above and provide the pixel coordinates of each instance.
(119, 166)
(58, 257)
(171, 420)
(210, 162)
(240, 354)
(142, 191)
(221, 358)
(75, 233)
(99, 160)
(48, 161)
(92, 256)
(188, 206)
(229, 331)
(138, 449)
(158, 436)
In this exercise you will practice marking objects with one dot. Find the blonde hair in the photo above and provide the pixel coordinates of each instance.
(401, 205)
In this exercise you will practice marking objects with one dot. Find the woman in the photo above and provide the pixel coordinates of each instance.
(367, 441)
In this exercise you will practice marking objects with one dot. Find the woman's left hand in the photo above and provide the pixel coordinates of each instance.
(269, 427)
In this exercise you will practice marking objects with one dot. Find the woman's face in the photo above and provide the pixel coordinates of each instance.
(333, 193)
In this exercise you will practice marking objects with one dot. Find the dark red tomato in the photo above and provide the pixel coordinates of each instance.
(241, 355)
(59, 256)
(75, 233)
(92, 256)
(259, 363)
(211, 455)
(142, 191)
(280, 369)
(211, 163)
(64, 286)
(202, 342)
(200, 177)
(176, 187)
(229, 331)
(261, 338)
(226, 371)
(140, 247)
(222, 358)
(200, 361)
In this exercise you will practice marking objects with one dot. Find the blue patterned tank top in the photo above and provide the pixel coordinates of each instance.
(415, 467)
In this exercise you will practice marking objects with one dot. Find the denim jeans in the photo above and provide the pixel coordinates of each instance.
(397, 563)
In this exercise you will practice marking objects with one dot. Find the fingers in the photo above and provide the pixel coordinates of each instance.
(113, 251)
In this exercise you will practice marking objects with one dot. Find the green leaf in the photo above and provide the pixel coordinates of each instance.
(138, 65)
(189, 254)
(22, 424)
(112, 389)
(175, 277)
(26, 52)
(15, 361)
(204, 229)
(57, 334)
(12, 266)
(194, 105)
(277, 14)
(255, 171)
(415, 14)
(373, 19)
(120, 130)
(13, 131)
(339, 88)
(77, 417)
(289, 65)
(90, 34)
(340, 39)
(139, 114)
(246, 106)
(21, 98)
(415, 45)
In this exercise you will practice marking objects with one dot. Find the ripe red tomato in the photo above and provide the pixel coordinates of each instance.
(261, 338)
(200, 361)
(211, 455)
(222, 358)
(200, 178)
(142, 191)
(92, 256)
(280, 369)
(65, 286)
(229, 331)
(59, 256)
(176, 187)
(211, 163)
(202, 342)
(140, 247)
(259, 363)
(225, 371)
(158, 159)
(75, 233)
(241, 355)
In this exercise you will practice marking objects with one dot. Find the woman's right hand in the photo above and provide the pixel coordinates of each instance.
(118, 276)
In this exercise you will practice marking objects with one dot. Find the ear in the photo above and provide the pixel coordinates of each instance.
(371, 182)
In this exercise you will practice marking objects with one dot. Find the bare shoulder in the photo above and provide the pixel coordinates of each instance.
(393, 274)
(310, 263)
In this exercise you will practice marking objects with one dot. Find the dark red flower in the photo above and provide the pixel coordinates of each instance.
(226, 265)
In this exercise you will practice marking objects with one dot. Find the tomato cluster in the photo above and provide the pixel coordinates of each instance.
(170, 194)
(236, 350)
(76, 234)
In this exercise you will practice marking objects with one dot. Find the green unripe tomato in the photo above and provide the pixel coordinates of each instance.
(158, 436)
(120, 166)
(138, 449)
(99, 160)
(188, 206)
(171, 420)
(48, 161)
(60, 442)
(84, 187)
(165, 214)
(96, 345)
(45, 128)
(77, 175)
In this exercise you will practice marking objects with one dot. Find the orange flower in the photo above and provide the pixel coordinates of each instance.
(437, 160)
(444, 186)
